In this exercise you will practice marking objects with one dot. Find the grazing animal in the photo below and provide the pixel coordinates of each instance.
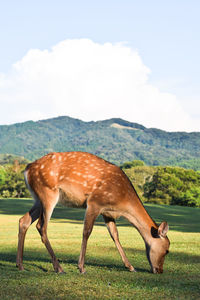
(80, 179)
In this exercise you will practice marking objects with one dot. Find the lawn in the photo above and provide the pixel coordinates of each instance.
(106, 277)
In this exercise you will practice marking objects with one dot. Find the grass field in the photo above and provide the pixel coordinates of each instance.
(106, 277)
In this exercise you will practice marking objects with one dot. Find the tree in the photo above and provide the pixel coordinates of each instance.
(2, 175)
(131, 164)
(173, 185)
(12, 181)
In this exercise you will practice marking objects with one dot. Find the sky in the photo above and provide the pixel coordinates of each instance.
(94, 60)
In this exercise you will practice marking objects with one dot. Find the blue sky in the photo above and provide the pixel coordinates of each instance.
(164, 34)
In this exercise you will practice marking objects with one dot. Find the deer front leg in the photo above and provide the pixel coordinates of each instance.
(110, 223)
(90, 217)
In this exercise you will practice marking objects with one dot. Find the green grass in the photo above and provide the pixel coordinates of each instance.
(106, 277)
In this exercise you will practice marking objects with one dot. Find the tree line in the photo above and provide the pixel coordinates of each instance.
(161, 185)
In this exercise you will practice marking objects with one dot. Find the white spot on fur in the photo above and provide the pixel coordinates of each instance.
(107, 194)
(42, 167)
(61, 177)
(51, 173)
(94, 187)
(91, 176)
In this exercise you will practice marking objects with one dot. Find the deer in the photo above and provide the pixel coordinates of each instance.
(81, 179)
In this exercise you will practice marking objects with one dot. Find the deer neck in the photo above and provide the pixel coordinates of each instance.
(141, 220)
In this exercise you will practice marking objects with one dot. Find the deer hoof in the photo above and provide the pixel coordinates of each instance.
(20, 267)
(82, 270)
(132, 269)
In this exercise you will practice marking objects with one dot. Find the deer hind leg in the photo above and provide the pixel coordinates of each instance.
(24, 224)
(90, 217)
(112, 229)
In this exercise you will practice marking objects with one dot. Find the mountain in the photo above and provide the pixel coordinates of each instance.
(115, 139)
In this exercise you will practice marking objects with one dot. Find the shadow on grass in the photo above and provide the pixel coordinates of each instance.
(184, 219)
(39, 276)
(41, 257)
(40, 283)
(136, 256)
(174, 282)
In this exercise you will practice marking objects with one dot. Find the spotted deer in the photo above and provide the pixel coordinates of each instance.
(79, 179)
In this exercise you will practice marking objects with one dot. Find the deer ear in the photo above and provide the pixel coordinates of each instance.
(163, 229)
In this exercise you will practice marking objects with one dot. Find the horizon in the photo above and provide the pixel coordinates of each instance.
(92, 121)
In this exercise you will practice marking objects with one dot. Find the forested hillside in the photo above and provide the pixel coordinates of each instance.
(115, 140)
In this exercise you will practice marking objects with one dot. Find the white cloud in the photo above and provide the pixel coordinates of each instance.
(90, 81)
